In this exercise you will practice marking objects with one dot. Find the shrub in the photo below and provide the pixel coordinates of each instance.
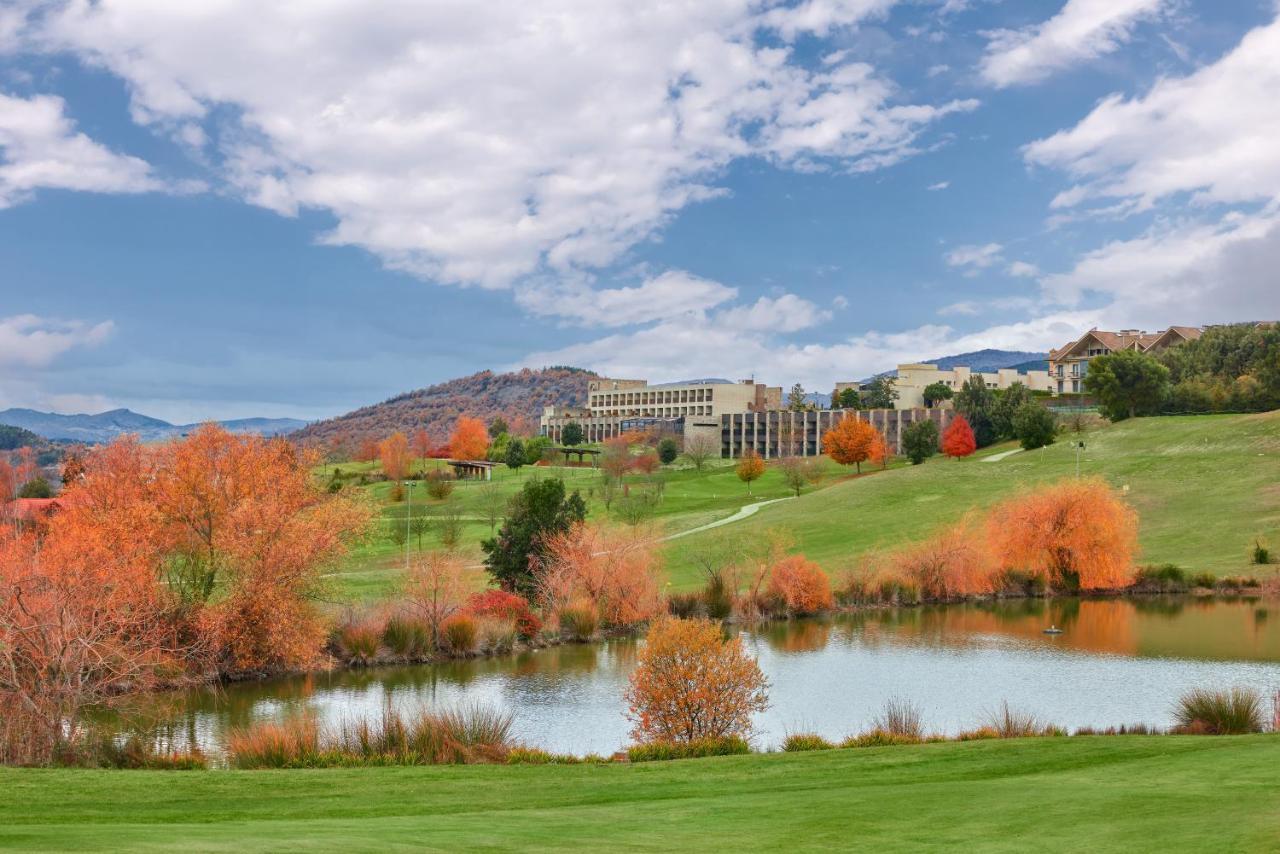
(406, 637)
(668, 450)
(1008, 723)
(659, 751)
(879, 738)
(459, 634)
(1034, 426)
(1261, 554)
(579, 620)
(294, 743)
(684, 604)
(956, 562)
(496, 634)
(1204, 579)
(902, 718)
(357, 642)
(690, 683)
(1165, 578)
(803, 741)
(799, 585)
(440, 483)
(982, 733)
(503, 605)
(920, 441)
(618, 570)
(1208, 712)
(717, 598)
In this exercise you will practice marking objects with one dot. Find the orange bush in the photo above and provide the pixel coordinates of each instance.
(436, 588)
(691, 683)
(800, 585)
(617, 569)
(954, 563)
(850, 442)
(1072, 531)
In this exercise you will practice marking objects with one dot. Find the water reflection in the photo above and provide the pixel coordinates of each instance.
(1117, 661)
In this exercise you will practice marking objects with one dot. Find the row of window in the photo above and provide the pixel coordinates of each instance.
(659, 412)
(649, 398)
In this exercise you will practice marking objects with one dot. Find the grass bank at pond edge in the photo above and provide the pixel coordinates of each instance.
(1136, 793)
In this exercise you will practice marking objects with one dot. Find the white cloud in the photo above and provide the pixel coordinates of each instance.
(787, 313)
(973, 258)
(482, 145)
(27, 340)
(1213, 133)
(941, 185)
(671, 293)
(840, 301)
(1023, 269)
(1082, 30)
(40, 148)
(964, 307)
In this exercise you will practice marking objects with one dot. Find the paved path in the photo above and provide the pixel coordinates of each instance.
(745, 512)
(995, 458)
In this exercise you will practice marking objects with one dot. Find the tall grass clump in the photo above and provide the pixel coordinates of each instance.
(497, 634)
(717, 598)
(1203, 711)
(1260, 554)
(1010, 723)
(407, 637)
(459, 634)
(659, 751)
(358, 642)
(579, 619)
(800, 742)
(294, 743)
(902, 718)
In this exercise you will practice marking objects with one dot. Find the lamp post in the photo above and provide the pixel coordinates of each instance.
(408, 521)
(1079, 451)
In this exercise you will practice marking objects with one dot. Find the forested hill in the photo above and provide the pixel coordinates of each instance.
(518, 396)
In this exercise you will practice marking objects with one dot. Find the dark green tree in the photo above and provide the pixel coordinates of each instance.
(935, 393)
(920, 441)
(37, 487)
(668, 450)
(880, 393)
(1008, 404)
(795, 398)
(539, 511)
(497, 427)
(1034, 426)
(534, 448)
(849, 398)
(977, 404)
(1127, 383)
(515, 454)
(571, 435)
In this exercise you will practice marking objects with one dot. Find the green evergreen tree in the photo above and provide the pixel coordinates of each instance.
(540, 510)
(920, 441)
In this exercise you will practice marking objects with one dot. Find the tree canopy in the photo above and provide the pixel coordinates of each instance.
(538, 512)
(1127, 383)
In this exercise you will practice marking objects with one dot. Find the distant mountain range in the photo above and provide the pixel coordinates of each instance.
(985, 361)
(105, 426)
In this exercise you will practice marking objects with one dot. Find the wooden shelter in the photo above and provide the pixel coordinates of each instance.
(473, 469)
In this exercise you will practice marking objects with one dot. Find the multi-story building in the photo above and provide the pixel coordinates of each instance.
(913, 378)
(616, 406)
(786, 433)
(1069, 364)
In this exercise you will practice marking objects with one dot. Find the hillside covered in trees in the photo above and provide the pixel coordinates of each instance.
(517, 397)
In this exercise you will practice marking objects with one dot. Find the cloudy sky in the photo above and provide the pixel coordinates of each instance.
(223, 208)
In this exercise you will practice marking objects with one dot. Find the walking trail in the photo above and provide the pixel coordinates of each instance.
(995, 458)
(745, 512)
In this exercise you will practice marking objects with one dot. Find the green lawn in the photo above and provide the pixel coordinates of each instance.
(1128, 793)
(1204, 488)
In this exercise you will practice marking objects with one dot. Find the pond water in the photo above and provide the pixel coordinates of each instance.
(1116, 662)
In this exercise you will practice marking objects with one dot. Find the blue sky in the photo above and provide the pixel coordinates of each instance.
(214, 210)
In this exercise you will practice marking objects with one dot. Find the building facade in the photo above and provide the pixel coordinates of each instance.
(617, 406)
(1069, 365)
(914, 377)
(785, 433)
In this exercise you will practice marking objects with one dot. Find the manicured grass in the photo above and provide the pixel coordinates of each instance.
(1204, 488)
(1128, 793)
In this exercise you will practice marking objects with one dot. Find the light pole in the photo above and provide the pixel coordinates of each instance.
(1079, 451)
(408, 521)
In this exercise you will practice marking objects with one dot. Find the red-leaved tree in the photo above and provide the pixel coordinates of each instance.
(958, 440)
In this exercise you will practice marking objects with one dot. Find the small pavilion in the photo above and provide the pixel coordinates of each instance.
(473, 469)
(581, 452)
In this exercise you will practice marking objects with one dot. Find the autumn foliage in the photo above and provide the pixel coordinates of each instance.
(958, 440)
(395, 455)
(469, 440)
(618, 570)
(505, 605)
(1076, 531)
(435, 589)
(750, 467)
(691, 683)
(799, 585)
(851, 442)
(955, 563)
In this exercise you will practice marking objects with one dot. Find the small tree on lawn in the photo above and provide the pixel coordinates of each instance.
(571, 434)
(699, 448)
(616, 461)
(1034, 426)
(440, 483)
(920, 441)
(668, 450)
(690, 684)
(515, 454)
(796, 472)
(750, 467)
(436, 589)
(540, 510)
(850, 442)
(469, 439)
(957, 439)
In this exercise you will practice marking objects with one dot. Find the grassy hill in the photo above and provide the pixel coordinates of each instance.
(1130, 793)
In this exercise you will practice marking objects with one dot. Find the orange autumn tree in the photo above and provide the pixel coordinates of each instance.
(954, 563)
(435, 589)
(850, 442)
(617, 570)
(395, 455)
(750, 467)
(880, 452)
(469, 440)
(691, 683)
(421, 444)
(958, 440)
(1073, 533)
(242, 517)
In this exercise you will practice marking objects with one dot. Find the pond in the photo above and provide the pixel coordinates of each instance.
(1116, 662)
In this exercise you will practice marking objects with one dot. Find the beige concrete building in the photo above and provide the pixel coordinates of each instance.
(616, 406)
(786, 433)
(1069, 364)
(913, 378)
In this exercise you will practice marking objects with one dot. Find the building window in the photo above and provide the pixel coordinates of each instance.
(1075, 385)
